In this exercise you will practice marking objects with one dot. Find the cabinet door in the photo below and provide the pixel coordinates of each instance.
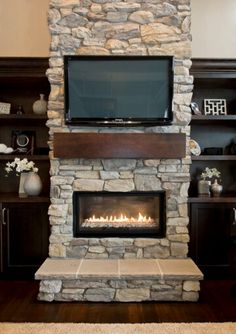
(25, 237)
(210, 237)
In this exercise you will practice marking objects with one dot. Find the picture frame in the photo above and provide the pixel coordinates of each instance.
(215, 107)
(5, 108)
(23, 142)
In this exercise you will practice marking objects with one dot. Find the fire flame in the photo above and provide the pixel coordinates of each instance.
(120, 219)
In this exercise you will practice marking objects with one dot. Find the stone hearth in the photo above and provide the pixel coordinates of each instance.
(119, 280)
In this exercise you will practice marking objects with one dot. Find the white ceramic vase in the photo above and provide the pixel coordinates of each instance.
(40, 106)
(216, 188)
(33, 184)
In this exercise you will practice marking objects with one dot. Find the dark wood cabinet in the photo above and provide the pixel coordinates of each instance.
(24, 222)
(212, 220)
(24, 236)
(212, 237)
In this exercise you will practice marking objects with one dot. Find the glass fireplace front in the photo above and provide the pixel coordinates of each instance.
(116, 214)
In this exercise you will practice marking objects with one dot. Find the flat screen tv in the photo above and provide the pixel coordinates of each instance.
(118, 90)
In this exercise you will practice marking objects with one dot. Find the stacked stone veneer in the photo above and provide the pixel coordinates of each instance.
(119, 175)
(113, 27)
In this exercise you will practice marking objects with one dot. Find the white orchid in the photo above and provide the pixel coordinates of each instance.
(210, 173)
(21, 166)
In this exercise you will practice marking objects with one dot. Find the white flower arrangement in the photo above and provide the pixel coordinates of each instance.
(20, 166)
(210, 173)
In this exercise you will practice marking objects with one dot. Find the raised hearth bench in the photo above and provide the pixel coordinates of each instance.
(119, 280)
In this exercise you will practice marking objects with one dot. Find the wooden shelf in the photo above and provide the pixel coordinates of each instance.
(202, 119)
(26, 118)
(206, 199)
(214, 157)
(29, 157)
(23, 116)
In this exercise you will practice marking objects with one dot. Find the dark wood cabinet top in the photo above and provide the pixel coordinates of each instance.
(15, 198)
(220, 199)
(213, 68)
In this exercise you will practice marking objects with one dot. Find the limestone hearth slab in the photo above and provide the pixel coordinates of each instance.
(179, 269)
(135, 268)
(58, 269)
(98, 268)
(174, 269)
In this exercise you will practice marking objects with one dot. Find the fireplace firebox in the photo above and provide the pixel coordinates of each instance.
(119, 214)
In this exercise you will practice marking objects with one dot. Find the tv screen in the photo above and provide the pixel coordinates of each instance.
(118, 90)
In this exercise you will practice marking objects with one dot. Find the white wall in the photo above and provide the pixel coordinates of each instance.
(214, 28)
(24, 30)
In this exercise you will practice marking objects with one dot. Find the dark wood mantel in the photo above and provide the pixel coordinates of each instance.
(120, 145)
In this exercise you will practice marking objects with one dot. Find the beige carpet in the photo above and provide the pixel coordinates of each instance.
(151, 328)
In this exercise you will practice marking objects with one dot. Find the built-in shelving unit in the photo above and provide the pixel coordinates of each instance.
(24, 226)
(214, 78)
(212, 232)
(21, 82)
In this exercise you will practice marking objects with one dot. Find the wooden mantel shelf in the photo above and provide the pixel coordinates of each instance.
(119, 145)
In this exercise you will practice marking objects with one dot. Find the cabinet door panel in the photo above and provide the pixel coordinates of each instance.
(210, 240)
(25, 237)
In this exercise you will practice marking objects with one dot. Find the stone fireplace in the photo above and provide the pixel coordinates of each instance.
(122, 176)
(129, 265)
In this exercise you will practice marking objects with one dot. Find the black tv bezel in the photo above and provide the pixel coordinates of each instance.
(110, 122)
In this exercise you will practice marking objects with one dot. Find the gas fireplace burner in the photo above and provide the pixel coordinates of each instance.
(119, 214)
